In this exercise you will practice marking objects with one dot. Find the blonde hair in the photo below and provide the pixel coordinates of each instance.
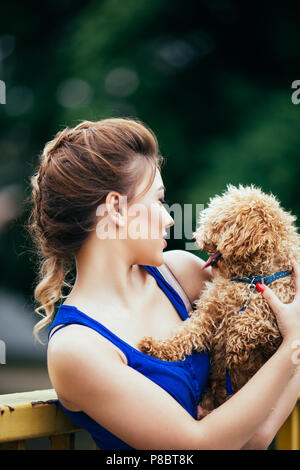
(77, 169)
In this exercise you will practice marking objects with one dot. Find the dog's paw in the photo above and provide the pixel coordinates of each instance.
(146, 345)
(155, 348)
(149, 346)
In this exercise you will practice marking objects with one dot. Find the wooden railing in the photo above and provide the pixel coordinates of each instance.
(36, 414)
(288, 436)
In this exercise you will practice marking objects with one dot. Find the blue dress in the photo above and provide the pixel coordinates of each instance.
(184, 380)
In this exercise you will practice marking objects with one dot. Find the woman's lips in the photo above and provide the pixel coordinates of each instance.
(165, 243)
(213, 259)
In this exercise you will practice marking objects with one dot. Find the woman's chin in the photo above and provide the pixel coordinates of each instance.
(159, 260)
(156, 254)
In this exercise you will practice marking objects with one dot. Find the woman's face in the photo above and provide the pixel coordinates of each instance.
(148, 221)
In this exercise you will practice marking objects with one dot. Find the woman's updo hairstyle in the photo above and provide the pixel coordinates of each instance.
(77, 169)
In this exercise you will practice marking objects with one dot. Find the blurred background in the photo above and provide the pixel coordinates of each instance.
(212, 78)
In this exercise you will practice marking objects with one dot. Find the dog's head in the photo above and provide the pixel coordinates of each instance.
(247, 231)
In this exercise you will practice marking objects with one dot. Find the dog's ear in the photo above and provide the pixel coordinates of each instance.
(258, 229)
(245, 222)
(248, 233)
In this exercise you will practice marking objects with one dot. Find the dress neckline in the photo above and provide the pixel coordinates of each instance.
(154, 273)
(87, 317)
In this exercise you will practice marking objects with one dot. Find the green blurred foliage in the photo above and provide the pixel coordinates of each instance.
(212, 79)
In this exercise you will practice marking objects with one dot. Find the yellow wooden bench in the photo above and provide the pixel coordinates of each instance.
(35, 414)
(288, 436)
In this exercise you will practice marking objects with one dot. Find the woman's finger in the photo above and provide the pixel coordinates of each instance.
(296, 271)
(272, 299)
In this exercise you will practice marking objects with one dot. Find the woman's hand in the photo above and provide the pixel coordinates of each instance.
(287, 315)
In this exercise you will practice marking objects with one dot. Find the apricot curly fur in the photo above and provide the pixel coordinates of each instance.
(255, 236)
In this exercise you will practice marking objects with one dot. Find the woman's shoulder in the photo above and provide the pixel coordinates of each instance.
(75, 354)
(187, 269)
(69, 341)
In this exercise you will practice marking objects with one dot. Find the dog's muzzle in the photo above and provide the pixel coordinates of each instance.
(212, 260)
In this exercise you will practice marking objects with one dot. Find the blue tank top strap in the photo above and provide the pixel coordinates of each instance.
(61, 326)
(169, 291)
(65, 316)
(228, 384)
(69, 315)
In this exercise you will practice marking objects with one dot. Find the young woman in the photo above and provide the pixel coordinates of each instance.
(123, 397)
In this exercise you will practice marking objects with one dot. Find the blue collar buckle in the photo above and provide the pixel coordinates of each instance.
(252, 280)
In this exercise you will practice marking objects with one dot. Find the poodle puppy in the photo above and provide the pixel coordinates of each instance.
(249, 237)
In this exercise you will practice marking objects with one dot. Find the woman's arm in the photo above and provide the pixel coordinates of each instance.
(189, 271)
(277, 417)
(248, 403)
(88, 373)
(265, 434)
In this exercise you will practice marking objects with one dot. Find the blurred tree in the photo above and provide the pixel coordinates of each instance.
(212, 78)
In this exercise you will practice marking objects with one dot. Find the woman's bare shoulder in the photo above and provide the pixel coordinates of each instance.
(73, 337)
(187, 269)
(73, 347)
